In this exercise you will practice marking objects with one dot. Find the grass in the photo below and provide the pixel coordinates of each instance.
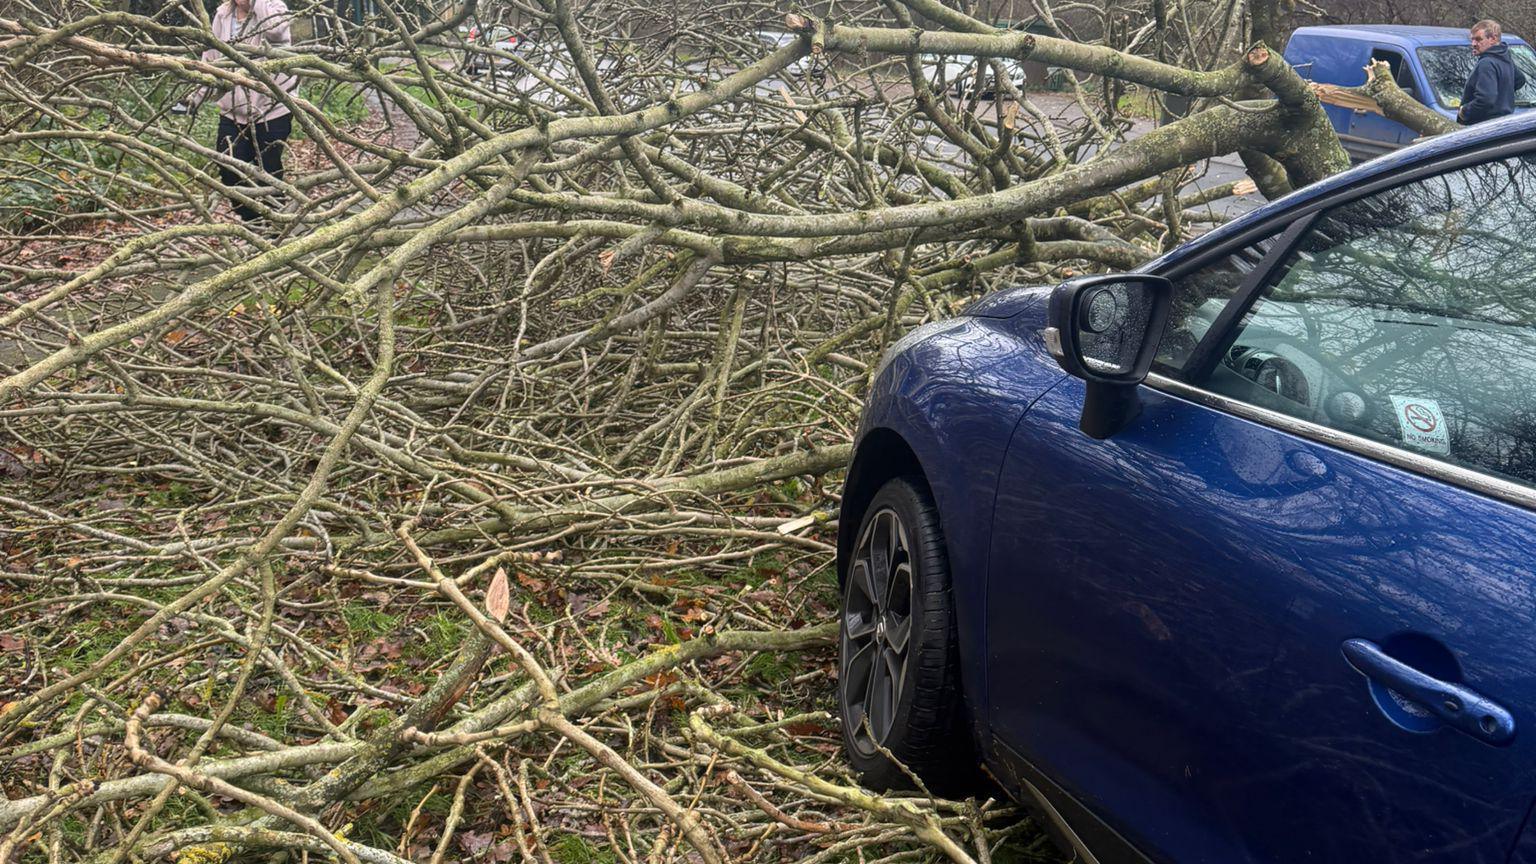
(381, 827)
(49, 186)
(444, 631)
(426, 96)
(365, 620)
(1135, 103)
(1139, 103)
(759, 569)
(773, 669)
(341, 103)
(177, 495)
(96, 637)
(574, 849)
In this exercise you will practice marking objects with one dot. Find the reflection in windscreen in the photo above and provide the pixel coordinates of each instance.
(1426, 292)
(1449, 67)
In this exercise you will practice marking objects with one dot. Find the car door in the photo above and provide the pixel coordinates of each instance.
(1286, 613)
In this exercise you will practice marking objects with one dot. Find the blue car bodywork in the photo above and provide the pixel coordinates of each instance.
(1431, 63)
(1156, 630)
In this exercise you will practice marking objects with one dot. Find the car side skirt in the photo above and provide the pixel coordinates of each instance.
(1073, 825)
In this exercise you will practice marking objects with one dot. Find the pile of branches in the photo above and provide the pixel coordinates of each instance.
(480, 500)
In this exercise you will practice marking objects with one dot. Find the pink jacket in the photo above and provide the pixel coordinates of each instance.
(268, 24)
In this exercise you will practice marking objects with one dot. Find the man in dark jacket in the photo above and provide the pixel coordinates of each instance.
(1490, 92)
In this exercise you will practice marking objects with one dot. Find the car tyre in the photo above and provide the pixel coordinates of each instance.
(898, 664)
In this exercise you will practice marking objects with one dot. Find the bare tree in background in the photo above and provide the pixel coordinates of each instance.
(358, 535)
(1517, 17)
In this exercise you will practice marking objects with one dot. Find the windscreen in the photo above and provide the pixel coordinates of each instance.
(1449, 66)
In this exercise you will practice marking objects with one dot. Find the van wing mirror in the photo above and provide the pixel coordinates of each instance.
(1105, 330)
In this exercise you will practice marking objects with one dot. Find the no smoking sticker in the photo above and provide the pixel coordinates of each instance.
(1422, 424)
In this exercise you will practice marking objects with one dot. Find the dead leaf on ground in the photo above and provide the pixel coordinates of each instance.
(498, 597)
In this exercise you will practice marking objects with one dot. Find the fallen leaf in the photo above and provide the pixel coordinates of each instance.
(335, 711)
(807, 728)
(9, 642)
(794, 525)
(475, 842)
(498, 598)
(661, 679)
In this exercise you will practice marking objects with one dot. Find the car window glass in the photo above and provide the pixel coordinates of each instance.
(1408, 317)
(1198, 297)
(1449, 66)
(1395, 63)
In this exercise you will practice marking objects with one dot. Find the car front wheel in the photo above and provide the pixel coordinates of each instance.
(899, 678)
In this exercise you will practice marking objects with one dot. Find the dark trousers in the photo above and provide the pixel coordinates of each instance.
(256, 143)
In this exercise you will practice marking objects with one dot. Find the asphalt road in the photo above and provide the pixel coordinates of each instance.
(1065, 113)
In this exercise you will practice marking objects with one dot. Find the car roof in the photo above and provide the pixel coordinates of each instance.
(1516, 127)
(1396, 34)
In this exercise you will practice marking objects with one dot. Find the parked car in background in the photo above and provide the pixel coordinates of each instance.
(496, 37)
(807, 65)
(1229, 559)
(965, 75)
(1431, 63)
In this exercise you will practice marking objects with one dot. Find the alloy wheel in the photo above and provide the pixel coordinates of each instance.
(876, 630)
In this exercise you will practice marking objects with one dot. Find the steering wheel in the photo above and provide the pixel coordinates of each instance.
(1273, 372)
(1322, 390)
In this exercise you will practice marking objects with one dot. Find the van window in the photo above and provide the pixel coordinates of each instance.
(1400, 71)
(1449, 66)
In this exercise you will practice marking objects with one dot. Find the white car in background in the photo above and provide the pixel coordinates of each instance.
(965, 75)
(497, 37)
(805, 66)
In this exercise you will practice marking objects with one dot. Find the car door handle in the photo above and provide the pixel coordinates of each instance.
(1459, 707)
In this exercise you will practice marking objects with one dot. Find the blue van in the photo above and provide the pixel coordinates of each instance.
(1431, 63)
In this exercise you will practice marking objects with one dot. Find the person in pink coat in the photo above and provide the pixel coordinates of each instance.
(253, 125)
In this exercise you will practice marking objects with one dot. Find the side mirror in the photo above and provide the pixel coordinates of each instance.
(1105, 330)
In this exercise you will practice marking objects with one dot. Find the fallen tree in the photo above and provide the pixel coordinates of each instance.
(550, 353)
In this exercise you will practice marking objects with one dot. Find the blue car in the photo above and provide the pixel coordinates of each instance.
(1431, 63)
(1231, 559)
